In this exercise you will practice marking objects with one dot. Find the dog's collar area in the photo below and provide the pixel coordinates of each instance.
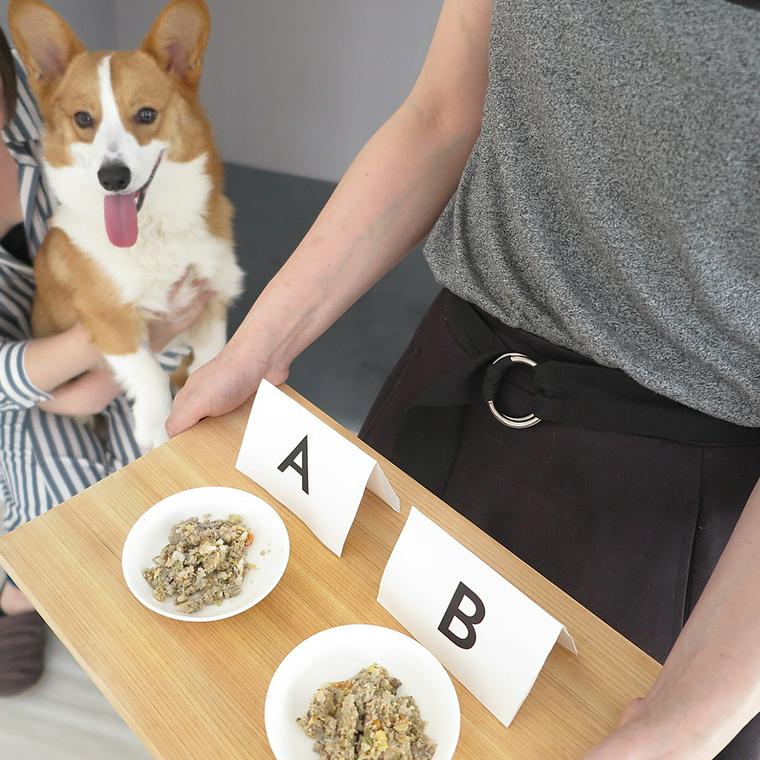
(142, 192)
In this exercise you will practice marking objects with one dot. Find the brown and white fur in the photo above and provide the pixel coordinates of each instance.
(185, 222)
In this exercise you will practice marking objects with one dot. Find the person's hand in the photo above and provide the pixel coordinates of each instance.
(187, 299)
(87, 394)
(220, 386)
(628, 741)
(647, 731)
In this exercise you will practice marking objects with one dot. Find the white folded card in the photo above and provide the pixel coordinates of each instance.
(313, 470)
(491, 636)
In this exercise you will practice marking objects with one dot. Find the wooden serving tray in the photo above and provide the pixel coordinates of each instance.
(196, 691)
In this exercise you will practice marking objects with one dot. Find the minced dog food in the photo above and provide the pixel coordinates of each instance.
(203, 563)
(363, 718)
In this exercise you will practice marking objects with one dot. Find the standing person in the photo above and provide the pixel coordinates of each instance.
(587, 386)
(45, 457)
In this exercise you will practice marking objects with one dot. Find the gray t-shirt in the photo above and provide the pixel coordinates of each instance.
(612, 201)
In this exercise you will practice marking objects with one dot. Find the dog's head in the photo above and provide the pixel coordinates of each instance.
(110, 118)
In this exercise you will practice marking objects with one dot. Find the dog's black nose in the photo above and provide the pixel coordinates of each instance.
(115, 176)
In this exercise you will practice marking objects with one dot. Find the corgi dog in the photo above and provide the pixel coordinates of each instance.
(130, 158)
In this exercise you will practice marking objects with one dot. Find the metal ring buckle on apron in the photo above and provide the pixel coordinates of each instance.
(519, 423)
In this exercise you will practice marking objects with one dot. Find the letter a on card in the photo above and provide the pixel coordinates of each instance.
(302, 450)
(312, 469)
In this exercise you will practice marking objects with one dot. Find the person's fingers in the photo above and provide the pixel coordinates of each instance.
(200, 283)
(188, 315)
(214, 389)
(177, 286)
(196, 305)
(186, 411)
(186, 318)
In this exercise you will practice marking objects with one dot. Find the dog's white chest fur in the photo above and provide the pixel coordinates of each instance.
(173, 234)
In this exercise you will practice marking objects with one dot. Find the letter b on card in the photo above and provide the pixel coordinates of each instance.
(467, 620)
(312, 469)
(491, 636)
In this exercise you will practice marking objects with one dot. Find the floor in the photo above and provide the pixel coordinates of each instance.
(65, 717)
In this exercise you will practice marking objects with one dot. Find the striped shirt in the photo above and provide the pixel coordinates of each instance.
(44, 458)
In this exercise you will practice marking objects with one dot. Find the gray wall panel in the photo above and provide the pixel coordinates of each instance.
(93, 20)
(298, 86)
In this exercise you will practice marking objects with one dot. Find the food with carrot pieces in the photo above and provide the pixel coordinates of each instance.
(364, 718)
(203, 563)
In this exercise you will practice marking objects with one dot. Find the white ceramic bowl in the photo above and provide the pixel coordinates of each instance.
(339, 653)
(269, 552)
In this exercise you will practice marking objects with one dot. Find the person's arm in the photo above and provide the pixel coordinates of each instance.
(385, 204)
(30, 369)
(51, 362)
(709, 687)
(88, 394)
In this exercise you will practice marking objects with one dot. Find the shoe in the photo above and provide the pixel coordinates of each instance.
(22, 650)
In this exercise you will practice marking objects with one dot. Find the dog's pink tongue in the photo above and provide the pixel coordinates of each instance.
(121, 219)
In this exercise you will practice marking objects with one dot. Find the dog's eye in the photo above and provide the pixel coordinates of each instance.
(83, 119)
(146, 115)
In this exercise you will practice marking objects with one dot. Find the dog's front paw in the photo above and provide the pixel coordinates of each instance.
(149, 437)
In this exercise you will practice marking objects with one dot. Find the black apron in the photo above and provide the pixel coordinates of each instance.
(621, 497)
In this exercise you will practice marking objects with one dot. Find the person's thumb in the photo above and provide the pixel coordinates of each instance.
(186, 411)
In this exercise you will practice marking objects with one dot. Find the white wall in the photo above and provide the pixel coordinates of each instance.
(296, 86)
(299, 85)
(93, 20)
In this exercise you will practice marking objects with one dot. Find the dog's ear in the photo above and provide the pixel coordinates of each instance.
(178, 39)
(45, 42)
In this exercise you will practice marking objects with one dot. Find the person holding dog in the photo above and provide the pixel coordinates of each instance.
(47, 385)
(587, 387)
